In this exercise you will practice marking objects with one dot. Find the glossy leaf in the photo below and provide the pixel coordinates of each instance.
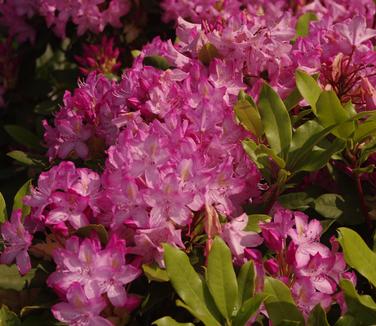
(188, 284)
(331, 112)
(317, 317)
(293, 99)
(221, 278)
(308, 87)
(18, 199)
(276, 121)
(23, 136)
(3, 209)
(296, 200)
(168, 321)
(10, 278)
(357, 254)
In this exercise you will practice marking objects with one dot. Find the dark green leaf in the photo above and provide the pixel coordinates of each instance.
(357, 254)
(157, 61)
(317, 317)
(207, 53)
(99, 229)
(25, 158)
(347, 320)
(296, 200)
(249, 116)
(221, 278)
(293, 99)
(276, 121)
(189, 285)
(23, 136)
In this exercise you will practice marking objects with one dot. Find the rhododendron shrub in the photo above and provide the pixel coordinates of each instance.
(213, 178)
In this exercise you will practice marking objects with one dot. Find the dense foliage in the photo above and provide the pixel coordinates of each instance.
(188, 162)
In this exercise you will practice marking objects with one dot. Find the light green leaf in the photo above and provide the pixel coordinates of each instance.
(221, 278)
(8, 318)
(25, 158)
(10, 278)
(249, 116)
(280, 304)
(189, 285)
(248, 309)
(317, 317)
(293, 99)
(302, 25)
(23, 136)
(3, 209)
(329, 205)
(364, 130)
(168, 321)
(18, 199)
(254, 220)
(357, 254)
(308, 87)
(155, 273)
(362, 307)
(331, 112)
(276, 121)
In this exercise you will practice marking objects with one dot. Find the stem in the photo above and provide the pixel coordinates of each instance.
(363, 205)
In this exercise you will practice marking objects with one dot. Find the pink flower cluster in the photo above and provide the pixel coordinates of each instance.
(308, 267)
(87, 15)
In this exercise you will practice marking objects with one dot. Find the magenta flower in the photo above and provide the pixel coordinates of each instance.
(79, 310)
(17, 241)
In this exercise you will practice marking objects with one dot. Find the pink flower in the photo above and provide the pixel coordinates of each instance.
(355, 30)
(17, 241)
(79, 310)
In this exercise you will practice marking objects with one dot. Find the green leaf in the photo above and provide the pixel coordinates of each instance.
(304, 140)
(154, 273)
(296, 200)
(357, 254)
(302, 25)
(280, 304)
(248, 309)
(18, 199)
(293, 99)
(207, 53)
(157, 61)
(362, 307)
(8, 318)
(3, 209)
(246, 282)
(25, 158)
(23, 136)
(168, 321)
(317, 317)
(328, 205)
(331, 112)
(10, 278)
(99, 229)
(189, 285)
(364, 130)
(221, 278)
(347, 320)
(276, 121)
(254, 220)
(248, 115)
(308, 87)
